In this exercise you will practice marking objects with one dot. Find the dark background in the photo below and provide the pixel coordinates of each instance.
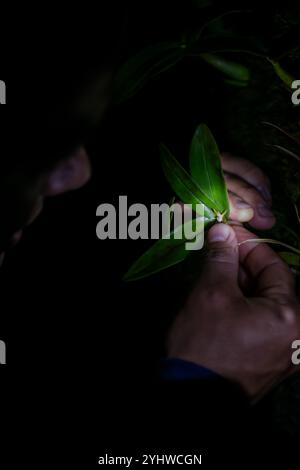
(82, 346)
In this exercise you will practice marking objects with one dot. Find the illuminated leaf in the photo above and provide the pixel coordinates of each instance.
(183, 184)
(206, 168)
(164, 253)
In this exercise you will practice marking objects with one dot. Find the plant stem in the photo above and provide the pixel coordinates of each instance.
(297, 213)
(271, 242)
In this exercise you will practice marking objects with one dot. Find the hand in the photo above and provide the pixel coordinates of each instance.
(249, 192)
(247, 340)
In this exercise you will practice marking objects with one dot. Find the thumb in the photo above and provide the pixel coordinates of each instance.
(222, 261)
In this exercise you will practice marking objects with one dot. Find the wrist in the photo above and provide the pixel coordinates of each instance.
(175, 369)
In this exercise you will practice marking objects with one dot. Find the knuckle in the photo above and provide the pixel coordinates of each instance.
(216, 296)
(246, 165)
(256, 174)
(221, 255)
(252, 195)
(228, 178)
(289, 314)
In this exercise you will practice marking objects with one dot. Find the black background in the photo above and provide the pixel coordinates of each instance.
(82, 346)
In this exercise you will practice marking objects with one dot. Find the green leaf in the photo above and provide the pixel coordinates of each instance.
(183, 184)
(163, 254)
(217, 27)
(144, 66)
(284, 76)
(206, 168)
(231, 69)
(290, 258)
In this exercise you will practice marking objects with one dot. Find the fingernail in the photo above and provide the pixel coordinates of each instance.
(245, 215)
(266, 193)
(241, 204)
(245, 212)
(219, 233)
(264, 211)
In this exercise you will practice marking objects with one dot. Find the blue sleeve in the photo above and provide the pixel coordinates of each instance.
(180, 370)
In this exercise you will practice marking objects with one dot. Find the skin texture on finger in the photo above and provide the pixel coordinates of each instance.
(220, 269)
(247, 340)
(248, 172)
(274, 279)
(245, 282)
(239, 190)
(72, 173)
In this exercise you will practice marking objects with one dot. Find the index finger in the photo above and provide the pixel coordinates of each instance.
(272, 275)
(248, 172)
